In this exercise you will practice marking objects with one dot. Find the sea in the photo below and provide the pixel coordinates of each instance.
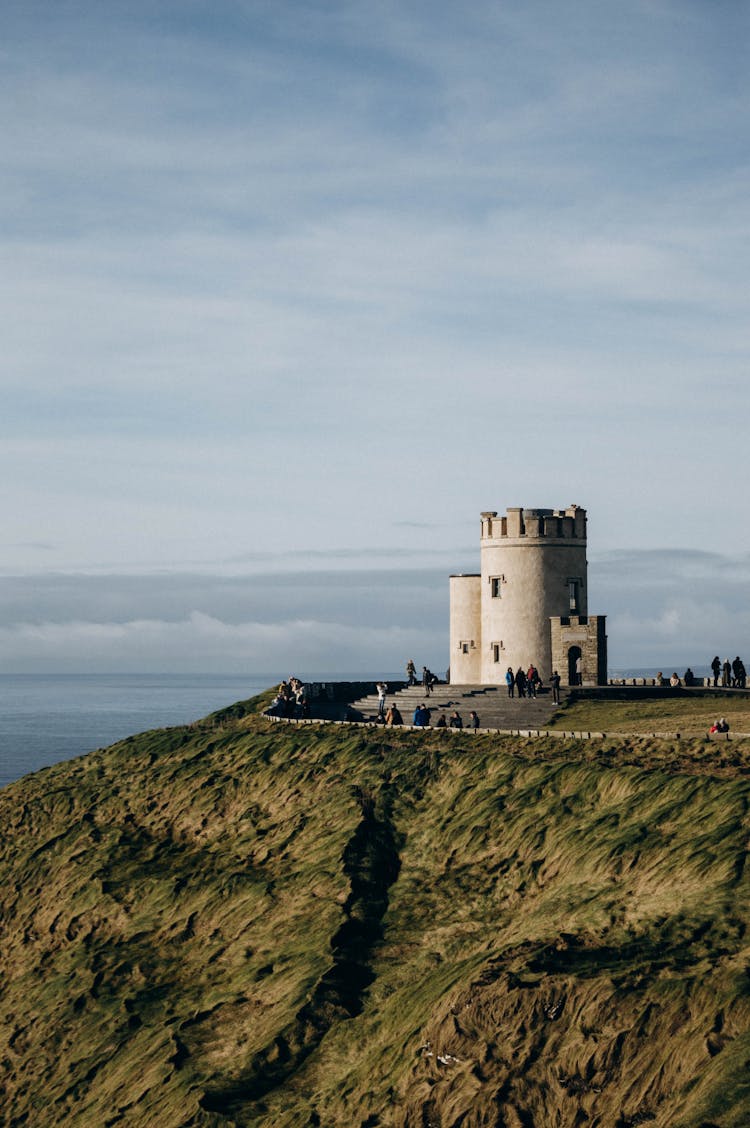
(46, 718)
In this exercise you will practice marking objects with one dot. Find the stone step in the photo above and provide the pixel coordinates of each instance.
(492, 704)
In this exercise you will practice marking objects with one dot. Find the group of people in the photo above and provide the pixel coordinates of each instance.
(688, 678)
(291, 699)
(422, 717)
(428, 679)
(733, 674)
(526, 683)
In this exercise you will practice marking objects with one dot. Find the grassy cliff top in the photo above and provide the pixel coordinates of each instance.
(691, 714)
(243, 923)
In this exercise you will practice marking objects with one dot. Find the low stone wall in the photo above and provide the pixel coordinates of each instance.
(466, 731)
(698, 683)
(633, 688)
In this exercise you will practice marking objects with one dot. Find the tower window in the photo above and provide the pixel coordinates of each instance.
(497, 648)
(496, 583)
(573, 592)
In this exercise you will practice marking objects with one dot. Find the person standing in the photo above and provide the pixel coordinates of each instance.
(521, 682)
(716, 668)
(411, 672)
(510, 681)
(554, 682)
(726, 674)
(426, 681)
(736, 664)
(579, 671)
(382, 689)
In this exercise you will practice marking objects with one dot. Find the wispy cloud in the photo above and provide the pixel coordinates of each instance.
(292, 281)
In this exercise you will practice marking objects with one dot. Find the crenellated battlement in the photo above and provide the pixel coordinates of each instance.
(536, 524)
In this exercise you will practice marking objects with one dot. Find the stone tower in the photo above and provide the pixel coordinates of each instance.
(529, 603)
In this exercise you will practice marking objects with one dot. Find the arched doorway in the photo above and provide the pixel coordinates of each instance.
(573, 655)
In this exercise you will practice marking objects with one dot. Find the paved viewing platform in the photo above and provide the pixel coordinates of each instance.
(490, 702)
(358, 702)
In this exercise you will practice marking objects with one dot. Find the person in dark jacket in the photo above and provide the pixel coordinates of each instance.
(521, 682)
(456, 721)
(421, 716)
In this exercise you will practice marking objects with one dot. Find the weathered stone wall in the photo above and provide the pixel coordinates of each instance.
(571, 634)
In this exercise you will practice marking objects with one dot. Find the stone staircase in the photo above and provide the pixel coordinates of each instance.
(493, 706)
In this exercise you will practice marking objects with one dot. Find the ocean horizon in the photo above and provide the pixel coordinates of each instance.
(47, 718)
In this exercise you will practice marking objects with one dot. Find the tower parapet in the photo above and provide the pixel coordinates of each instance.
(535, 524)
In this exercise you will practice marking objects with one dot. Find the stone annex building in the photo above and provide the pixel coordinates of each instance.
(529, 602)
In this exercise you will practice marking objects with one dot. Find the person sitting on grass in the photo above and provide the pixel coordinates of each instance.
(720, 726)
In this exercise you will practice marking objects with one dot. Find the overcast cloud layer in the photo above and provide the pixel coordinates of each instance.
(294, 291)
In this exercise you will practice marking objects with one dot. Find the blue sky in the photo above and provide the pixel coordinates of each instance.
(293, 291)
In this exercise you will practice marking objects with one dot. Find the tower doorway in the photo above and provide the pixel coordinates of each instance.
(574, 656)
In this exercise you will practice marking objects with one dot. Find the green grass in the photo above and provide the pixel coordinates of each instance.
(690, 716)
(566, 919)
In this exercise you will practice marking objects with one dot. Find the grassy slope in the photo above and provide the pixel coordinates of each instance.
(263, 925)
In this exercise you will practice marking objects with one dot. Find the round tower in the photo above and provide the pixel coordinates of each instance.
(533, 567)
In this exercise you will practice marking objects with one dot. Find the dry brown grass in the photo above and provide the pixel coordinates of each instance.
(241, 923)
